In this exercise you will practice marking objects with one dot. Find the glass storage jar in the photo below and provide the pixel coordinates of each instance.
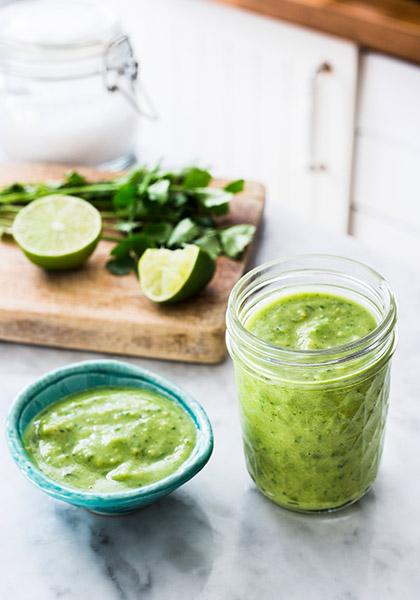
(312, 420)
(67, 85)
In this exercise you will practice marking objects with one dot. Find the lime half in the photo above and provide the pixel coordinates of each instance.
(174, 275)
(58, 232)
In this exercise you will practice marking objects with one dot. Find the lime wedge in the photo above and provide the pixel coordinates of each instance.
(58, 232)
(174, 275)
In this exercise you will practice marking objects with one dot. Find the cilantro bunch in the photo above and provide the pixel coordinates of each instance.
(147, 208)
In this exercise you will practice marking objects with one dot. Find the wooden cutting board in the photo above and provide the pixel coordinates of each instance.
(90, 309)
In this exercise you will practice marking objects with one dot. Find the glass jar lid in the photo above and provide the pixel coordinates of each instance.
(56, 38)
(47, 24)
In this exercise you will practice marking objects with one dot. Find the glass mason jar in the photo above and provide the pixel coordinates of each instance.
(312, 420)
(67, 85)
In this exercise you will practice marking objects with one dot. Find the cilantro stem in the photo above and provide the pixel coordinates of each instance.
(111, 238)
(107, 215)
(92, 188)
(9, 208)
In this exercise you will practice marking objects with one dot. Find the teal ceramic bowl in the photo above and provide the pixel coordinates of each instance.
(99, 373)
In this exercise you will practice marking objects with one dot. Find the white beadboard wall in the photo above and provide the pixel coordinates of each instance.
(233, 92)
(386, 192)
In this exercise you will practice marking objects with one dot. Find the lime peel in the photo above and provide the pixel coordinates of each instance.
(168, 276)
(58, 232)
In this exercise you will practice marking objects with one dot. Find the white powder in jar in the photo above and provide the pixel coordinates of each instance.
(54, 104)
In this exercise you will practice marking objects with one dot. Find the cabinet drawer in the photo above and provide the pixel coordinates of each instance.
(387, 151)
(387, 180)
(389, 100)
(387, 235)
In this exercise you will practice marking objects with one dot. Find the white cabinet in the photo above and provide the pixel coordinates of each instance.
(386, 201)
(250, 97)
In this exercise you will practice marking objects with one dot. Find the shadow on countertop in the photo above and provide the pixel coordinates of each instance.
(140, 553)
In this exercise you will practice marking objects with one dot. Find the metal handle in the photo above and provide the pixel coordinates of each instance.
(121, 75)
(314, 164)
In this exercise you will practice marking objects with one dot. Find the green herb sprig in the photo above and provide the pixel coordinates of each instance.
(146, 208)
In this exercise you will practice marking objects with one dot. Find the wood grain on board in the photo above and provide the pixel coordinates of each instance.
(90, 309)
(390, 26)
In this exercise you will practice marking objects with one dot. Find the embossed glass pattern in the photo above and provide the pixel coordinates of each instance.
(313, 421)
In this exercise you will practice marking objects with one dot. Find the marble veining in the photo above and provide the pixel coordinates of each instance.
(217, 538)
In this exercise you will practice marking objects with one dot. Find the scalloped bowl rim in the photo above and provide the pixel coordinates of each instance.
(188, 469)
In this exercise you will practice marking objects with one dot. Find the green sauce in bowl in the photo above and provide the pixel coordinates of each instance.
(181, 435)
(110, 439)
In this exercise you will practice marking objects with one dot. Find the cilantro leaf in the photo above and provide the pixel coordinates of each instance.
(126, 226)
(159, 232)
(14, 188)
(184, 232)
(179, 199)
(74, 179)
(214, 200)
(236, 238)
(210, 243)
(235, 186)
(125, 197)
(122, 265)
(204, 221)
(137, 243)
(195, 178)
(159, 191)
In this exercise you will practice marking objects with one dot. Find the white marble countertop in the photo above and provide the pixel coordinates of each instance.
(217, 538)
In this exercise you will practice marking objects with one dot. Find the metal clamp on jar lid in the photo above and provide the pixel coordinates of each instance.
(69, 84)
(120, 69)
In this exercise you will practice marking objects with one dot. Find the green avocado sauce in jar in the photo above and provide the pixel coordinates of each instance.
(311, 339)
(110, 439)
